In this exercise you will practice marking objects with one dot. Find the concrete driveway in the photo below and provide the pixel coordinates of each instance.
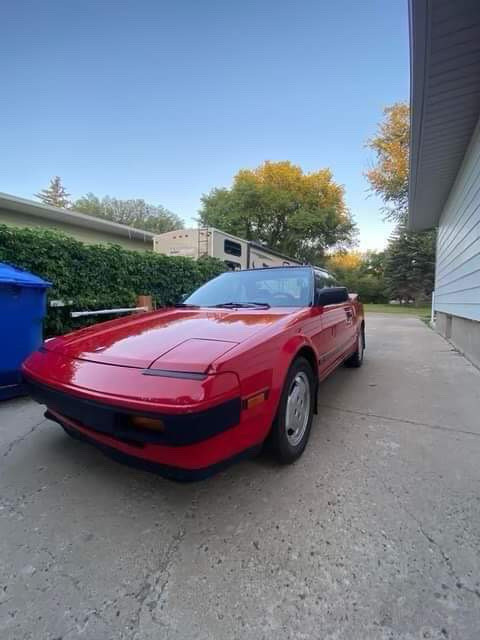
(373, 534)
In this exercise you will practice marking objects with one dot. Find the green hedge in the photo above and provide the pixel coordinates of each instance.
(99, 276)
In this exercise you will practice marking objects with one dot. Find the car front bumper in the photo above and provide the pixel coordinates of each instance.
(192, 445)
(124, 455)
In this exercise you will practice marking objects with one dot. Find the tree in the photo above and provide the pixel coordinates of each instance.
(277, 204)
(410, 256)
(345, 261)
(373, 263)
(361, 273)
(389, 176)
(410, 264)
(134, 213)
(55, 194)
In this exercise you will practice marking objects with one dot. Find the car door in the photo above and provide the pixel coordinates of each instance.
(346, 323)
(331, 326)
(348, 329)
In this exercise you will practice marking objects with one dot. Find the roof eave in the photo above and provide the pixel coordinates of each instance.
(74, 218)
(443, 118)
(417, 15)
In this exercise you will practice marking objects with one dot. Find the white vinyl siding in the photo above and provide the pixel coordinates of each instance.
(457, 280)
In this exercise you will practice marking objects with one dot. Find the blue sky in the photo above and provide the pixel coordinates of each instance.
(166, 100)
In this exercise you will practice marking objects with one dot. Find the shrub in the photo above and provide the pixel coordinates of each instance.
(99, 276)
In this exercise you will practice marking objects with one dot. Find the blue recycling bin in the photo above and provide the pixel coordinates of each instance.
(23, 304)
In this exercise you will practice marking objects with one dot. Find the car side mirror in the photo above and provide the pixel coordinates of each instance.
(331, 295)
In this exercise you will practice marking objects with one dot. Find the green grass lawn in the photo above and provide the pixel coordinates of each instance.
(410, 310)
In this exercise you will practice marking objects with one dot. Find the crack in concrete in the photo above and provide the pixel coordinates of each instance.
(80, 627)
(15, 504)
(402, 420)
(445, 557)
(154, 588)
(152, 591)
(14, 443)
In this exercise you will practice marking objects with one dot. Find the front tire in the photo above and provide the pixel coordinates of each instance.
(291, 427)
(356, 359)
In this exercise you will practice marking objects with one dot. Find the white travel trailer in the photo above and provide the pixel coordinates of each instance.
(208, 241)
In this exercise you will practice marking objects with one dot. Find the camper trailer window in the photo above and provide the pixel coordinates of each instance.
(231, 264)
(233, 248)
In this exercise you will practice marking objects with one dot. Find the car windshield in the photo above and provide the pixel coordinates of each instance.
(289, 287)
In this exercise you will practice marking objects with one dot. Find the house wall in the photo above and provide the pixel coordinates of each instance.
(457, 279)
(89, 236)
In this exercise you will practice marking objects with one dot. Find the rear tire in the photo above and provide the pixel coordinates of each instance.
(291, 427)
(356, 359)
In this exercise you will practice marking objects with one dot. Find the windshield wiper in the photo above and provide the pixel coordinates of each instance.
(185, 305)
(242, 305)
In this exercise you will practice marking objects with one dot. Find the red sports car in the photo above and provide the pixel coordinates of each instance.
(185, 391)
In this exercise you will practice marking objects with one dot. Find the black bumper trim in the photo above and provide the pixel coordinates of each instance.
(114, 421)
(171, 473)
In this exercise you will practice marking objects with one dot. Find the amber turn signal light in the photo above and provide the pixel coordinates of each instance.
(154, 424)
(255, 400)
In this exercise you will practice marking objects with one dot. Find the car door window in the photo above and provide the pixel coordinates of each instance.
(323, 280)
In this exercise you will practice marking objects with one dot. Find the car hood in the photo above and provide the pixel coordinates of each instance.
(174, 339)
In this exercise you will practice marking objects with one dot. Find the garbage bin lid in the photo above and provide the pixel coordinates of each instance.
(13, 275)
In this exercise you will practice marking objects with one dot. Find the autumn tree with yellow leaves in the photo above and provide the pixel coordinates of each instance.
(345, 261)
(388, 177)
(410, 256)
(277, 204)
(361, 273)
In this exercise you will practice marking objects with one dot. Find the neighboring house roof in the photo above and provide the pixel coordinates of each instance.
(445, 100)
(39, 210)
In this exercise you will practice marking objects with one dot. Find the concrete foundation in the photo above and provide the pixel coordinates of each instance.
(464, 334)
